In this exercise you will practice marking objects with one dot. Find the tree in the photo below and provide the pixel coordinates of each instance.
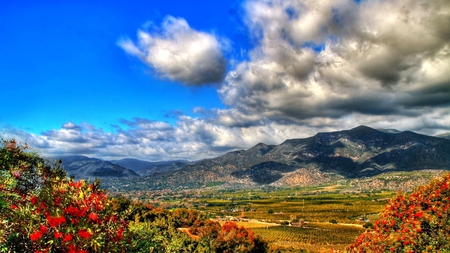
(419, 222)
(45, 211)
(232, 238)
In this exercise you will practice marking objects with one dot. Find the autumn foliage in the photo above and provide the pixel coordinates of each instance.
(418, 222)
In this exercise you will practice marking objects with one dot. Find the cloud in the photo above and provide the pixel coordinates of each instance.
(335, 59)
(180, 53)
(317, 66)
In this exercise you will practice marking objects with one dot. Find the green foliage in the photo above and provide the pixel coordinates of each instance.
(418, 222)
(184, 230)
(44, 211)
(368, 225)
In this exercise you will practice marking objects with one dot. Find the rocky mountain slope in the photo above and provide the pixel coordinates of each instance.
(324, 157)
(355, 153)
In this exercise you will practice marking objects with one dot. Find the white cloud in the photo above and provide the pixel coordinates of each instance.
(180, 53)
(318, 66)
(334, 59)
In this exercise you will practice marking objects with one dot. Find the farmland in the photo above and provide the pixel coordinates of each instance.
(311, 219)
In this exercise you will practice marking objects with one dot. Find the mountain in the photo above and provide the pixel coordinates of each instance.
(445, 136)
(325, 157)
(359, 152)
(145, 168)
(85, 167)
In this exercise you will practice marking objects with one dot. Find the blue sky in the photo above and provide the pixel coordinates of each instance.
(161, 80)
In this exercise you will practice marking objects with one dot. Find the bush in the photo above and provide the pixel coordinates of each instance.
(333, 221)
(418, 222)
(44, 211)
(368, 225)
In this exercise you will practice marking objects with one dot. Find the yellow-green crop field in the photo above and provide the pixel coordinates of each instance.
(314, 220)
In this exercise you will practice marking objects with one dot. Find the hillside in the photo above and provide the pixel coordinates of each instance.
(145, 168)
(325, 157)
(85, 167)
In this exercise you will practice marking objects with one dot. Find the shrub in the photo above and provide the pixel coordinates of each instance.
(418, 222)
(44, 211)
(333, 221)
(368, 225)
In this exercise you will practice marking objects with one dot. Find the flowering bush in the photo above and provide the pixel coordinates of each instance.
(418, 222)
(44, 211)
(183, 230)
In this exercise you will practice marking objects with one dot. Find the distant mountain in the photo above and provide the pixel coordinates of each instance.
(145, 168)
(325, 157)
(355, 153)
(445, 136)
(85, 167)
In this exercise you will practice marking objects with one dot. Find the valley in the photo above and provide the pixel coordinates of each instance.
(315, 194)
(296, 219)
(324, 158)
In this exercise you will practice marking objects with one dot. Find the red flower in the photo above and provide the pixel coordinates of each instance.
(72, 249)
(36, 235)
(419, 215)
(72, 210)
(34, 200)
(76, 184)
(43, 229)
(13, 206)
(93, 216)
(58, 201)
(67, 238)
(120, 233)
(58, 235)
(83, 233)
(55, 221)
(16, 174)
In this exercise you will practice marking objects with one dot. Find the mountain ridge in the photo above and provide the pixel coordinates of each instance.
(359, 152)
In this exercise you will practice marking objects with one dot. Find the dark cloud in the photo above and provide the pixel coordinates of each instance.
(339, 60)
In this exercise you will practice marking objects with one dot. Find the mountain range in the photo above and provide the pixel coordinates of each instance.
(356, 153)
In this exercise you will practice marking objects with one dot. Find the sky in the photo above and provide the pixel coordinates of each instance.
(166, 80)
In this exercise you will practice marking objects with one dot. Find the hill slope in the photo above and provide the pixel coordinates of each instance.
(145, 168)
(355, 153)
(324, 157)
(85, 167)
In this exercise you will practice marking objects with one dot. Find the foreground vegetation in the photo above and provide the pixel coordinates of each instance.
(43, 210)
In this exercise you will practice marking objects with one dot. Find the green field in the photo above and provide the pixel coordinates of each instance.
(316, 208)
(294, 204)
(332, 215)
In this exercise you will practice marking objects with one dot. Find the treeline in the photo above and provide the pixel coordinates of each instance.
(43, 210)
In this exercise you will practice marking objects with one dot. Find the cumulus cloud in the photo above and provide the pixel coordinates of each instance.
(180, 53)
(317, 66)
(334, 59)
